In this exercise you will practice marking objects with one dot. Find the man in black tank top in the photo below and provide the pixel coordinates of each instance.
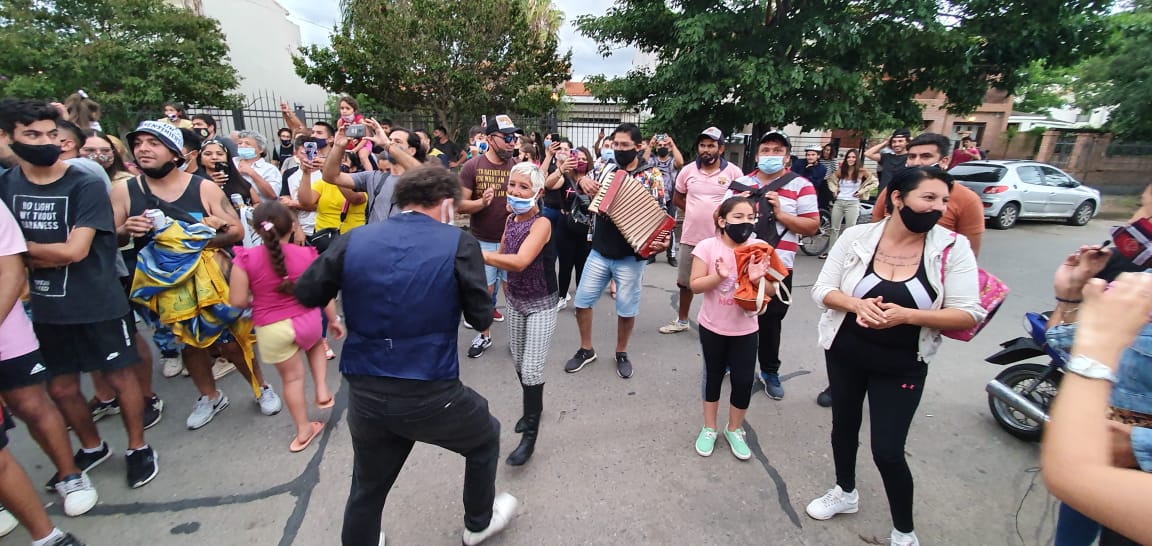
(157, 148)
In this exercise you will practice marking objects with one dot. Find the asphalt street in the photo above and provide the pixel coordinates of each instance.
(615, 463)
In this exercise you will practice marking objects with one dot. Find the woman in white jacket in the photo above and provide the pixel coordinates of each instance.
(888, 291)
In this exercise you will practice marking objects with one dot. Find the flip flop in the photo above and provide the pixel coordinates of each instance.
(317, 428)
(325, 405)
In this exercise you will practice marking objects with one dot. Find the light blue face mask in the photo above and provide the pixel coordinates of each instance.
(770, 163)
(607, 154)
(244, 152)
(520, 205)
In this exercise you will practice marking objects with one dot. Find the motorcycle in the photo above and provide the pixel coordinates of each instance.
(817, 243)
(1020, 396)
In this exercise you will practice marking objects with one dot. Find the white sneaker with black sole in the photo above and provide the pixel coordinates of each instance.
(503, 508)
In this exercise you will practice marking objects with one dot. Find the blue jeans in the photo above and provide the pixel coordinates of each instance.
(629, 276)
(493, 274)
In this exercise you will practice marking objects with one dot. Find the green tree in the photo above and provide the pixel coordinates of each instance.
(854, 64)
(452, 59)
(128, 55)
(1046, 87)
(1121, 77)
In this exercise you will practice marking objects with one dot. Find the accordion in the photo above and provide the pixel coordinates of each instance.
(632, 208)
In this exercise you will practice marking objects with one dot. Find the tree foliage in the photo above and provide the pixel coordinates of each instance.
(449, 58)
(854, 64)
(1046, 87)
(127, 55)
(1121, 76)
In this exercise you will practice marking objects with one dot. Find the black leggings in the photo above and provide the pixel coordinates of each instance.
(572, 248)
(770, 324)
(894, 390)
(735, 353)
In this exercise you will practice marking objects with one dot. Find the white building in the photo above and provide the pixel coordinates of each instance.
(261, 41)
(1060, 118)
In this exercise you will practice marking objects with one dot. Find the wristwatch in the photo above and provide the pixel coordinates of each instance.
(1090, 368)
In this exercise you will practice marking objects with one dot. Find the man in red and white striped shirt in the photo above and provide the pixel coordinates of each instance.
(787, 212)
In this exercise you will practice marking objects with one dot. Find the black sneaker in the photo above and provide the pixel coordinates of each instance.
(85, 461)
(480, 343)
(652, 259)
(623, 365)
(153, 411)
(824, 399)
(142, 467)
(673, 262)
(579, 360)
(67, 540)
(101, 410)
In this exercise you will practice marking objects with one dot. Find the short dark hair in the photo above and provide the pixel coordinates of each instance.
(631, 129)
(192, 141)
(328, 126)
(475, 130)
(940, 141)
(75, 133)
(24, 112)
(414, 143)
(301, 140)
(906, 180)
(426, 185)
(283, 129)
(206, 118)
(968, 138)
(442, 129)
(384, 121)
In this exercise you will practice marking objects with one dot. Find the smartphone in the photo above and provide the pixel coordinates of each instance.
(221, 167)
(356, 130)
(660, 137)
(555, 137)
(310, 150)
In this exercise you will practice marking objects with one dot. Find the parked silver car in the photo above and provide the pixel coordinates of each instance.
(1013, 190)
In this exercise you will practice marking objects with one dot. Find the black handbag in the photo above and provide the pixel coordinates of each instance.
(323, 239)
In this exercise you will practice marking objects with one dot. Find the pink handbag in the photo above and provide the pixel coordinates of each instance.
(992, 294)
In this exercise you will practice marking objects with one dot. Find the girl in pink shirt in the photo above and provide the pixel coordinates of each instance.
(284, 327)
(728, 334)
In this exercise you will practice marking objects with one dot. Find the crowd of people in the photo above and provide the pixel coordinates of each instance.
(355, 220)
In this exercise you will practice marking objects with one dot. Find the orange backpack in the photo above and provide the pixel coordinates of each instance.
(754, 298)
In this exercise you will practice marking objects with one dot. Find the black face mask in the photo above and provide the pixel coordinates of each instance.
(40, 155)
(739, 232)
(662, 152)
(919, 222)
(202, 132)
(285, 143)
(624, 158)
(157, 173)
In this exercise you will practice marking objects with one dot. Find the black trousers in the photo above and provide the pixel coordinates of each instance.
(770, 324)
(572, 249)
(384, 428)
(735, 353)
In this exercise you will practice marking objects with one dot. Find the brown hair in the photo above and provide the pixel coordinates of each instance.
(82, 110)
(858, 171)
(347, 99)
(281, 220)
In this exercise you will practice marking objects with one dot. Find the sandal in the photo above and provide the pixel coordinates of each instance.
(296, 447)
(325, 405)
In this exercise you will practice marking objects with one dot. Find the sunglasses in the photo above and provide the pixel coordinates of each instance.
(508, 139)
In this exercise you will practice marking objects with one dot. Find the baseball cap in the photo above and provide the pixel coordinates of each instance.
(712, 133)
(902, 133)
(501, 123)
(813, 148)
(168, 134)
(776, 135)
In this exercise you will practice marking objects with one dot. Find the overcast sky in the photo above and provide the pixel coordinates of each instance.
(317, 17)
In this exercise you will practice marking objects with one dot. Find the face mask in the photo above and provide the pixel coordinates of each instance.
(581, 166)
(739, 232)
(157, 173)
(707, 159)
(482, 146)
(321, 143)
(769, 163)
(202, 132)
(520, 205)
(919, 222)
(547, 143)
(103, 160)
(662, 152)
(285, 143)
(624, 158)
(447, 212)
(173, 117)
(40, 155)
(607, 154)
(245, 152)
(349, 119)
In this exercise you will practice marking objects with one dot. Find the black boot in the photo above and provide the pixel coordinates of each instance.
(533, 406)
(520, 422)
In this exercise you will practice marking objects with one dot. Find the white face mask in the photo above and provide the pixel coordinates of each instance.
(447, 212)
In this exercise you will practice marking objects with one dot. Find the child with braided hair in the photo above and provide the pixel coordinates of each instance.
(284, 327)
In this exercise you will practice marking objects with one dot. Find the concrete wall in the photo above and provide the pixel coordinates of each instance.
(1088, 162)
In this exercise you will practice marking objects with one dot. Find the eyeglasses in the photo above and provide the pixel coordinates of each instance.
(508, 139)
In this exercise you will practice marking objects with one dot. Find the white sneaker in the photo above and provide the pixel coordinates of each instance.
(205, 409)
(222, 367)
(503, 508)
(835, 501)
(674, 327)
(78, 493)
(172, 366)
(904, 539)
(8, 522)
(563, 302)
(270, 403)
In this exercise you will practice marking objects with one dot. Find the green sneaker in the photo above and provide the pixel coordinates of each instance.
(706, 441)
(736, 442)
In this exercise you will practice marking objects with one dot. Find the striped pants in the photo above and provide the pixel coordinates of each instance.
(530, 336)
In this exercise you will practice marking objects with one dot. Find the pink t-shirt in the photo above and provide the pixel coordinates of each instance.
(269, 305)
(16, 335)
(704, 193)
(719, 311)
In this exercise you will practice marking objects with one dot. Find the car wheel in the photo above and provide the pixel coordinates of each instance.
(1083, 214)
(1009, 213)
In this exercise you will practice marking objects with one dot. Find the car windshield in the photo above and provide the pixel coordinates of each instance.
(978, 173)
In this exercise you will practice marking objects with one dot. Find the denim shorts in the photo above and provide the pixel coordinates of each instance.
(598, 270)
(492, 273)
